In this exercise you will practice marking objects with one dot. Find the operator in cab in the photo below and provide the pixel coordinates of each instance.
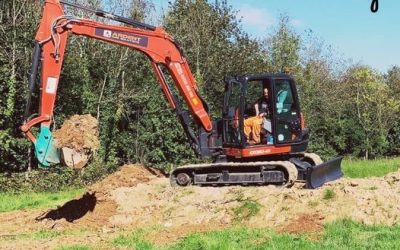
(254, 125)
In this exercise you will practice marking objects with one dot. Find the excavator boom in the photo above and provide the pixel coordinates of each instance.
(51, 42)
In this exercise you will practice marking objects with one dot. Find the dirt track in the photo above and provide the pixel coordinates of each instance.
(136, 197)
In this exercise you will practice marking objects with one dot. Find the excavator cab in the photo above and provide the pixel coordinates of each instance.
(282, 126)
(280, 156)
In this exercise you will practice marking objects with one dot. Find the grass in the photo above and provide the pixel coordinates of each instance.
(75, 247)
(45, 234)
(133, 240)
(356, 168)
(313, 203)
(10, 201)
(343, 234)
(329, 194)
(247, 209)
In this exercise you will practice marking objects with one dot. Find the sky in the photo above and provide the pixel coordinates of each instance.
(348, 26)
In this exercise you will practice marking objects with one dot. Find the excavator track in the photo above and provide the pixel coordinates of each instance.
(279, 173)
(316, 159)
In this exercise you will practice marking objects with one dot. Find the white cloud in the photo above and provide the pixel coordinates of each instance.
(297, 23)
(258, 21)
(257, 18)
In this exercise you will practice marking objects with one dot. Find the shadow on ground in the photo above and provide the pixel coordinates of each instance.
(72, 210)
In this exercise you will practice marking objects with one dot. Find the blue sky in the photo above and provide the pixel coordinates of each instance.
(348, 25)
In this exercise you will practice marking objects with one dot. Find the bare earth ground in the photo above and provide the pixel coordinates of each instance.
(136, 197)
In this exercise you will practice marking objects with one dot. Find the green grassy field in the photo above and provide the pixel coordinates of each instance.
(355, 168)
(343, 234)
(10, 201)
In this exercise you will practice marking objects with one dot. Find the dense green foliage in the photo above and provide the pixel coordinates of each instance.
(18, 21)
(351, 109)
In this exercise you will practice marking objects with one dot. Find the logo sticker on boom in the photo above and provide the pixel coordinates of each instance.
(123, 37)
(107, 33)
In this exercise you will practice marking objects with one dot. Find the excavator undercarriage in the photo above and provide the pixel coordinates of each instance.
(307, 168)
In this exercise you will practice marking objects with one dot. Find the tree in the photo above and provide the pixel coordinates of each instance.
(393, 80)
(214, 45)
(17, 26)
(283, 48)
(373, 106)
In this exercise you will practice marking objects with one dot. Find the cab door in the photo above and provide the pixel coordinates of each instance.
(232, 122)
(286, 112)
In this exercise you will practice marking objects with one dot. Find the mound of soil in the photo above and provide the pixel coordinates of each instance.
(94, 208)
(138, 197)
(79, 132)
(295, 210)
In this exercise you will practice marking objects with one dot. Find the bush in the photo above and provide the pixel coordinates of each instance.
(54, 179)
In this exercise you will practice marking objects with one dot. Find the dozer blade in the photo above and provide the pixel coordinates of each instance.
(320, 174)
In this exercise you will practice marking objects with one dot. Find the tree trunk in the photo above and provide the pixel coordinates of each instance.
(101, 96)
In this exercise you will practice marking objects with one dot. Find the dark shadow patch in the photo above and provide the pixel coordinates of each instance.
(156, 171)
(72, 210)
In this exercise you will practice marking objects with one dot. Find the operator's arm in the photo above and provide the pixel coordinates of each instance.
(264, 111)
(256, 108)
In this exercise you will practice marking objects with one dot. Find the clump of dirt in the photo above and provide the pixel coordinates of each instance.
(126, 176)
(79, 132)
(305, 223)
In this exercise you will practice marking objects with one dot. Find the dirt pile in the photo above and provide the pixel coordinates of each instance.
(79, 132)
(94, 208)
(371, 201)
(136, 197)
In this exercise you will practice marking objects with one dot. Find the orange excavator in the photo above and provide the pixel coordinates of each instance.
(279, 158)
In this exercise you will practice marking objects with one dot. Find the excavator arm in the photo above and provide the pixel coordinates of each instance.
(51, 41)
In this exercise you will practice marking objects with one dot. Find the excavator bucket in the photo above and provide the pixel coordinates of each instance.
(320, 174)
(45, 151)
(74, 159)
